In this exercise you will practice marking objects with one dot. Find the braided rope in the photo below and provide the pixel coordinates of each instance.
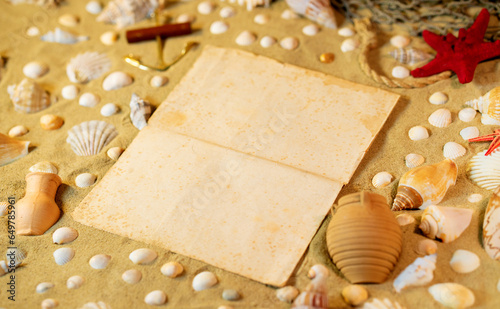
(369, 42)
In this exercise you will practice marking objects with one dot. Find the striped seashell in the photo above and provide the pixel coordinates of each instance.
(63, 255)
(441, 118)
(484, 171)
(90, 137)
(140, 111)
(488, 105)
(413, 160)
(124, 13)
(87, 66)
(452, 150)
(409, 55)
(12, 149)
(16, 254)
(381, 179)
(28, 97)
(64, 235)
(319, 11)
(62, 37)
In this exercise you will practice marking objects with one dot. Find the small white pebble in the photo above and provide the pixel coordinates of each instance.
(218, 27)
(203, 281)
(158, 81)
(109, 109)
(17, 131)
(475, 198)
(310, 30)
(185, 18)
(346, 32)
(400, 72)
(261, 19)
(32, 31)
(438, 98)
(227, 12)
(172, 269)
(400, 41)
(88, 99)
(109, 38)
(245, 38)
(93, 7)
(349, 45)
(206, 7)
(267, 41)
(467, 114)
(289, 43)
(70, 92)
(85, 180)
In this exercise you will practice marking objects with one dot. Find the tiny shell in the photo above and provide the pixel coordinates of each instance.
(185, 18)
(109, 38)
(310, 30)
(44, 287)
(349, 45)
(417, 133)
(172, 269)
(354, 295)
(467, 114)
(261, 19)
(63, 255)
(400, 72)
(74, 282)
(51, 122)
(156, 298)
(413, 160)
(452, 150)
(93, 7)
(381, 179)
(64, 235)
(143, 256)
(132, 276)
(405, 219)
(287, 294)
(44, 167)
(464, 261)
(426, 247)
(97, 305)
(117, 80)
(289, 14)
(346, 32)
(475, 198)
(85, 180)
(400, 41)
(469, 132)
(227, 12)
(218, 27)
(204, 280)
(245, 38)
(114, 152)
(158, 81)
(418, 273)
(35, 69)
(109, 109)
(318, 270)
(69, 20)
(230, 295)
(206, 7)
(49, 303)
(99, 261)
(438, 98)
(70, 92)
(267, 41)
(452, 295)
(32, 31)
(17, 131)
(441, 118)
(88, 99)
(289, 43)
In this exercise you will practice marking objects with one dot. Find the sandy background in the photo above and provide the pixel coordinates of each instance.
(386, 154)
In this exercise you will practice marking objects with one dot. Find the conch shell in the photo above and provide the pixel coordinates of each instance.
(425, 185)
(11, 149)
(488, 105)
(316, 294)
(420, 272)
(491, 226)
(445, 223)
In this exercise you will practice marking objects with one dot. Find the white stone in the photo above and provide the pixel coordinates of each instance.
(109, 38)
(143, 256)
(185, 18)
(88, 99)
(206, 7)
(349, 45)
(158, 81)
(156, 298)
(109, 109)
(85, 180)
(400, 72)
(99, 261)
(69, 20)
(32, 31)
(267, 41)
(172, 269)
(261, 19)
(475, 198)
(245, 38)
(132, 276)
(63, 255)
(218, 27)
(464, 261)
(70, 92)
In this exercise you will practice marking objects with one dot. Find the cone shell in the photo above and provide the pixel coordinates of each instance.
(452, 295)
(464, 261)
(126, 12)
(363, 238)
(64, 235)
(491, 226)
(319, 11)
(11, 149)
(409, 55)
(445, 223)
(63, 255)
(87, 66)
(484, 171)
(419, 273)
(488, 104)
(441, 118)
(315, 296)
(28, 97)
(425, 185)
(140, 111)
(143, 256)
(90, 137)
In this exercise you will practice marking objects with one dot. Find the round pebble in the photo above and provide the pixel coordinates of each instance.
(267, 41)
(156, 298)
(230, 295)
(327, 57)
(227, 12)
(400, 72)
(206, 7)
(70, 92)
(310, 30)
(51, 122)
(93, 7)
(245, 38)
(261, 19)
(132, 276)
(85, 180)
(289, 43)
(204, 280)
(109, 109)
(158, 81)
(17, 131)
(88, 99)
(218, 27)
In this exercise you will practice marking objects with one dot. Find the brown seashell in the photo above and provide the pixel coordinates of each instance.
(364, 239)
(425, 185)
(491, 226)
(11, 149)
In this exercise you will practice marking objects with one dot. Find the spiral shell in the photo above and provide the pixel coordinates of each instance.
(445, 223)
(319, 11)
(316, 294)
(28, 97)
(441, 118)
(484, 171)
(488, 105)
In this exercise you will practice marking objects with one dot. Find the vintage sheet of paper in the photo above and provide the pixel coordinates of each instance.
(241, 163)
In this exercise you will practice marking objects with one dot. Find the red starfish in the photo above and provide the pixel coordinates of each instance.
(495, 138)
(462, 54)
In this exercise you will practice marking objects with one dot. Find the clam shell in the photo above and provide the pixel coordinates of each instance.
(452, 150)
(381, 304)
(185, 18)
(245, 38)
(44, 287)
(74, 282)
(90, 137)
(85, 180)
(140, 111)
(469, 132)
(172, 269)
(405, 219)
(381, 179)
(491, 226)
(87, 66)
(267, 41)
(132, 276)
(230, 295)
(452, 295)
(464, 261)
(426, 247)
(467, 114)
(445, 223)
(419, 273)
(70, 92)
(289, 14)
(35, 69)
(11, 149)
(126, 12)
(206, 7)
(114, 152)
(349, 45)
(116, 80)
(287, 294)
(441, 118)
(93, 7)
(89, 99)
(64, 235)
(289, 43)
(109, 109)
(318, 270)
(143, 256)
(354, 295)
(63, 255)
(227, 12)
(99, 261)
(109, 38)
(49, 303)
(400, 41)
(346, 32)
(417, 133)
(438, 98)
(400, 72)
(28, 96)
(155, 298)
(413, 160)
(62, 37)
(69, 20)
(475, 198)
(17, 131)
(261, 19)
(158, 81)
(218, 27)
(484, 171)
(310, 30)
(203, 281)
(51, 122)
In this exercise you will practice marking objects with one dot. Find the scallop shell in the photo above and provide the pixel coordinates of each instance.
(143, 256)
(172, 269)
(381, 179)
(467, 114)
(90, 137)
(89, 99)
(349, 45)
(227, 12)
(319, 11)
(426, 247)
(484, 171)
(310, 30)
(49, 303)
(381, 304)
(417, 133)
(116, 80)
(354, 295)
(64, 235)
(140, 111)
(98, 305)
(70, 92)
(51, 122)
(93, 7)
(400, 72)
(438, 98)
(132, 276)
(28, 96)
(87, 66)
(17, 131)
(204, 280)
(11, 149)
(445, 223)
(245, 38)
(35, 69)
(74, 282)
(464, 261)
(488, 105)
(346, 32)
(400, 41)
(261, 19)
(413, 160)
(62, 37)
(287, 294)
(124, 13)
(469, 132)
(405, 219)
(109, 38)
(158, 81)
(318, 270)
(267, 41)
(63, 255)
(452, 150)
(114, 152)
(491, 226)
(441, 118)
(109, 109)
(419, 273)
(44, 287)
(85, 180)
(156, 298)
(452, 295)
(69, 20)
(289, 43)
(316, 294)
(219, 27)
(409, 55)
(99, 261)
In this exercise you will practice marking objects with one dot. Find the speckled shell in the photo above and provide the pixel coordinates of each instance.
(445, 223)
(491, 226)
(488, 105)
(409, 55)
(140, 111)
(126, 12)
(452, 295)
(441, 118)
(62, 37)
(28, 96)
(90, 137)
(319, 11)
(484, 171)
(87, 66)
(12, 149)
(420, 272)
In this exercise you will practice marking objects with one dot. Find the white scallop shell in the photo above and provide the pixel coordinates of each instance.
(203, 281)
(62, 37)
(346, 32)
(245, 38)
(400, 41)
(132, 276)
(69, 20)
(206, 7)
(289, 14)
(289, 43)
(227, 12)
(467, 114)
(35, 69)
(349, 45)
(90, 137)
(74, 282)
(88, 99)
(452, 295)
(354, 295)
(17, 131)
(381, 179)
(287, 294)
(464, 261)
(44, 167)
(318, 270)
(219, 27)
(475, 198)
(28, 96)
(413, 160)
(85, 180)
(261, 19)
(420, 272)
(117, 80)
(93, 7)
(63, 255)
(109, 109)
(70, 92)
(400, 72)
(426, 247)
(405, 219)
(310, 30)
(440, 118)
(417, 133)
(438, 98)
(49, 303)
(64, 235)
(452, 150)
(114, 152)
(172, 269)
(126, 12)
(44, 287)
(140, 111)
(484, 171)
(99, 261)
(87, 66)
(469, 132)
(32, 31)
(98, 305)
(143, 256)
(185, 18)
(267, 41)
(158, 81)
(156, 298)
(381, 304)
(109, 38)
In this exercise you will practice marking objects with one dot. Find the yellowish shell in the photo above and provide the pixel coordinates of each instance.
(11, 149)
(452, 295)
(381, 179)
(445, 223)
(354, 295)
(491, 226)
(28, 96)
(51, 122)
(488, 105)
